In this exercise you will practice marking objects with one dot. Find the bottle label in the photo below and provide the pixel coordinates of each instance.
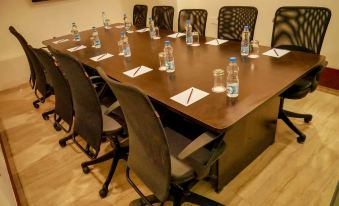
(127, 52)
(170, 65)
(245, 49)
(233, 89)
(76, 37)
(97, 43)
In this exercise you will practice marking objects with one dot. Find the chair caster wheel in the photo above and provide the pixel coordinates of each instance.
(62, 143)
(307, 119)
(36, 105)
(56, 127)
(45, 116)
(301, 139)
(103, 192)
(85, 169)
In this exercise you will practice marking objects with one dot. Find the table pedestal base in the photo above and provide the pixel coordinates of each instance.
(246, 140)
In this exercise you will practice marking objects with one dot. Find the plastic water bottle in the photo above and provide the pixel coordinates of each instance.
(95, 35)
(75, 32)
(232, 82)
(121, 44)
(189, 36)
(103, 15)
(125, 20)
(151, 28)
(169, 58)
(105, 21)
(245, 42)
(122, 36)
(125, 45)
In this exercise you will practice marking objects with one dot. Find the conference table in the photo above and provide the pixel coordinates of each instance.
(247, 122)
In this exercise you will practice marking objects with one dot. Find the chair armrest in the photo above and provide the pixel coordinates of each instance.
(201, 141)
(94, 77)
(314, 75)
(321, 67)
(112, 107)
(96, 80)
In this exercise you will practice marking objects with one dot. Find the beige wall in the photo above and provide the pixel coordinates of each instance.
(264, 25)
(40, 21)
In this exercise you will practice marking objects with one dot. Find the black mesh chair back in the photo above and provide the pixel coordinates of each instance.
(300, 28)
(41, 85)
(163, 17)
(24, 45)
(140, 16)
(233, 19)
(62, 92)
(149, 156)
(198, 19)
(88, 121)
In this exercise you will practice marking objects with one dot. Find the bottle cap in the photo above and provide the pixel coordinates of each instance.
(188, 21)
(122, 33)
(233, 59)
(167, 43)
(93, 27)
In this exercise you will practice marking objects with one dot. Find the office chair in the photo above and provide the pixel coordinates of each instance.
(300, 29)
(24, 45)
(90, 120)
(168, 163)
(43, 86)
(233, 19)
(163, 17)
(39, 78)
(140, 16)
(63, 98)
(198, 19)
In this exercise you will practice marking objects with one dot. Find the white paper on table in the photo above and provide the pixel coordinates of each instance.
(60, 41)
(280, 52)
(142, 70)
(73, 49)
(143, 30)
(101, 57)
(119, 26)
(196, 95)
(176, 35)
(216, 43)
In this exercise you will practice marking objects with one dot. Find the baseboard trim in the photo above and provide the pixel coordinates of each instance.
(12, 171)
(329, 78)
(20, 86)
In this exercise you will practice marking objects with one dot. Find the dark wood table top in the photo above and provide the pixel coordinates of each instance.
(260, 79)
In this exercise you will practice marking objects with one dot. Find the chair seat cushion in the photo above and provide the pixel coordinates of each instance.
(183, 170)
(298, 90)
(110, 125)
